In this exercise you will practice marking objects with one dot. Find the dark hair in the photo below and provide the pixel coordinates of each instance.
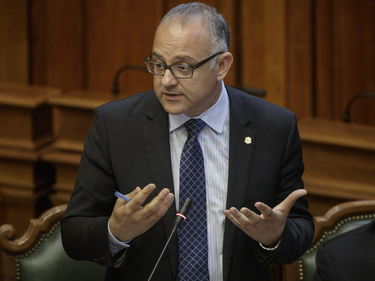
(216, 24)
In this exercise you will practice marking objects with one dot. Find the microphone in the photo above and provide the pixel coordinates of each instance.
(353, 99)
(115, 88)
(180, 217)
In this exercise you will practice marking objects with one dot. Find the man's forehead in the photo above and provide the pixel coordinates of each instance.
(177, 57)
(172, 33)
(188, 43)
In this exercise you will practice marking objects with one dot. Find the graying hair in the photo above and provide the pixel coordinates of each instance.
(216, 24)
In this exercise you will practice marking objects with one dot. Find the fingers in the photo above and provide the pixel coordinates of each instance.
(130, 219)
(138, 196)
(292, 198)
(233, 215)
(283, 207)
(264, 209)
(246, 218)
(158, 205)
(120, 202)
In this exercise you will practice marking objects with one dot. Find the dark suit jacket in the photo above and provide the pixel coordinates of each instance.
(128, 146)
(349, 256)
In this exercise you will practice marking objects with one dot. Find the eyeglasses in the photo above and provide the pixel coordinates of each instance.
(178, 70)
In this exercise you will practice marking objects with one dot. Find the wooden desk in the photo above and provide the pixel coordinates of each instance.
(25, 130)
(25, 118)
(339, 160)
(73, 116)
(25, 184)
(66, 167)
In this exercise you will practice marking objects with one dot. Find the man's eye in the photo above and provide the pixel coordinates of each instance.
(183, 68)
(158, 65)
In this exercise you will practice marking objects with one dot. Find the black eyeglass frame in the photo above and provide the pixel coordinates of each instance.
(192, 67)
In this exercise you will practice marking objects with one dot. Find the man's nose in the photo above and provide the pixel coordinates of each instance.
(168, 79)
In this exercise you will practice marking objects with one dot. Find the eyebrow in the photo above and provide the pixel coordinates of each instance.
(176, 58)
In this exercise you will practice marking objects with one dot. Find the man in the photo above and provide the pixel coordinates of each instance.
(349, 256)
(252, 169)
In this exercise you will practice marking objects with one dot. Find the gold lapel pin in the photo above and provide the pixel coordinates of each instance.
(247, 140)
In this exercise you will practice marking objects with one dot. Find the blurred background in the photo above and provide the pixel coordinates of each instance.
(310, 56)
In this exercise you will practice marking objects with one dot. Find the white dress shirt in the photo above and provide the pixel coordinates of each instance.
(214, 140)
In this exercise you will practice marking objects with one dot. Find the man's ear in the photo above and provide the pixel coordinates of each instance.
(223, 65)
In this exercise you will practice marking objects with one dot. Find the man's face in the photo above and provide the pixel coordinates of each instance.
(188, 45)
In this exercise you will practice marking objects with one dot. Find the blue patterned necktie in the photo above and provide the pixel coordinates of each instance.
(192, 234)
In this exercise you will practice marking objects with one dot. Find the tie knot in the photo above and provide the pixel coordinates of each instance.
(194, 127)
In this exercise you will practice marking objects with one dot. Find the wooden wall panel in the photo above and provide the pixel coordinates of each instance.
(310, 56)
(119, 33)
(57, 43)
(345, 57)
(82, 44)
(277, 52)
(299, 58)
(111, 34)
(14, 41)
(264, 47)
(354, 57)
(323, 50)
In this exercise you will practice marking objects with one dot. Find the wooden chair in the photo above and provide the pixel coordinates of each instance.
(39, 255)
(337, 220)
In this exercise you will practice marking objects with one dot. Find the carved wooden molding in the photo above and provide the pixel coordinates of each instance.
(37, 228)
(338, 213)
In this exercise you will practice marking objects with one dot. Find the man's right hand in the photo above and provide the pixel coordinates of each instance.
(130, 219)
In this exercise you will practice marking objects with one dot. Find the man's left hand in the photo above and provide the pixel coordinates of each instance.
(266, 228)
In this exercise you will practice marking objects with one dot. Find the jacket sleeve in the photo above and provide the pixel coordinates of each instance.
(84, 225)
(324, 266)
(299, 228)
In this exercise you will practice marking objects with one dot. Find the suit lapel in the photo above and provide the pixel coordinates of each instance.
(241, 147)
(156, 133)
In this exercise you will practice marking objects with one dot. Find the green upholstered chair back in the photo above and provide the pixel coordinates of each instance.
(307, 261)
(39, 254)
(339, 219)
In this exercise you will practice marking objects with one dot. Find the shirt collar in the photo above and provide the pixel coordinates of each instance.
(214, 117)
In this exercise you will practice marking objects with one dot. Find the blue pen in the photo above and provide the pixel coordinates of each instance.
(121, 196)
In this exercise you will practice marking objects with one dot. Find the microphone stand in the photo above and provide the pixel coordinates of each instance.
(352, 100)
(115, 88)
(180, 217)
(162, 252)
